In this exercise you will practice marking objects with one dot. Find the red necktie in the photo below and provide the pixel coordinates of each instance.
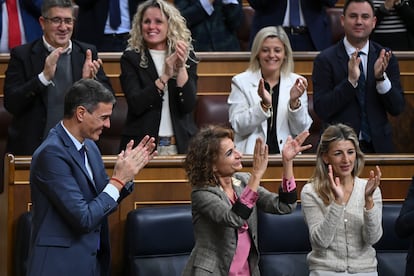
(14, 26)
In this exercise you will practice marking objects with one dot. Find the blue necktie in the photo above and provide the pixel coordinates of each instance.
(82, 154)
(365, 133)
(294, 13)
(114, 14)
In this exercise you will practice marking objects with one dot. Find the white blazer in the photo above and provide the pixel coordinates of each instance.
(248, 119)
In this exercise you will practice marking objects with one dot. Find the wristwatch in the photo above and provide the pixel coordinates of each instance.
(400, 4)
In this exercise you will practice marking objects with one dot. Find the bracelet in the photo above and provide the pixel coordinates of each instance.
(297, 105)
(118, 181)
(163, 82)
(265, 106)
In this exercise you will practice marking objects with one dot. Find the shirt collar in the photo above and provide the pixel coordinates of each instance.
(75, 141)
(50, 48)
(351, 49)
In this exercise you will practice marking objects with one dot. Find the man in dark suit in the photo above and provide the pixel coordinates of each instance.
(362, 99)
(313, 32)
(40, 72)
(93, 24)
(213, 24)
(71, 193)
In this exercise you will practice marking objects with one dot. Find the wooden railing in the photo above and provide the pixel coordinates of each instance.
(163, 181)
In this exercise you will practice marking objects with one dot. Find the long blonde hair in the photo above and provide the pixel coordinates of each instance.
(320, 180)
(177, 29)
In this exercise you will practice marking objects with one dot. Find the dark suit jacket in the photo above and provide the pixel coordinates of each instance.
(335, 99)
(69, 209)
(91, 19)
(215, 32)
(404, 226)
(145, 103)
(272, 13)
(25, 97)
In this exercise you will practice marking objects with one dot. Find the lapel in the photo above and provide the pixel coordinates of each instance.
(342, 57)
(77, 59)
(372, 57)
(285, 84)
(38, 57)
(151, 71)
(73, 152)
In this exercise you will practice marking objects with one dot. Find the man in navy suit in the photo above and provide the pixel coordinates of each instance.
(313, 32)
(342, 93)
(40, 72)
(93, 24)
(71, 193)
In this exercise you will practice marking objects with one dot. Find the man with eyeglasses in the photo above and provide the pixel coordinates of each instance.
(40, 72)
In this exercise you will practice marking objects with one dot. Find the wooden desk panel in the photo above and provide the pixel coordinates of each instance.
(164, 181)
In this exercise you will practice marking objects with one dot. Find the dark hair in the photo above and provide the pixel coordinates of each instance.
(88, 93)
(358, 1)
(48, 4)
(203, 152)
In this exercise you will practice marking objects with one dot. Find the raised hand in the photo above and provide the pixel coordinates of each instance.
(51, 62)
(90, 67)
(336, 186)
(131, 160)
(264, 94)
(373, 182)
(297, 90)
(293, 146)
(353, 67)
(260, 157)
(381, 63)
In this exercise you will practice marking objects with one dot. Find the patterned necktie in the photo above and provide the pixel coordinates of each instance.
(294, 13)
(365, 133)
(114, 14)
(14, 25)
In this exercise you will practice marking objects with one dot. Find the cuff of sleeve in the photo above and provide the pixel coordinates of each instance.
(241, 210)
(289, 197)
(288, 185)
(112, 191)
(249, 197)
(226, 2)
(43, 80)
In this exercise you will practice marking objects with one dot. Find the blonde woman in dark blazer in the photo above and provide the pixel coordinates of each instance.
(225, 201)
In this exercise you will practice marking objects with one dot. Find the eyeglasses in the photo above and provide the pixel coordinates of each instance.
(57, 21)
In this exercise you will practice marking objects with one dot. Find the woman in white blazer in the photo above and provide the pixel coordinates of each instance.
(268, 100)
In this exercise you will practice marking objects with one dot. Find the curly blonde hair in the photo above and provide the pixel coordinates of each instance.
(177, 29)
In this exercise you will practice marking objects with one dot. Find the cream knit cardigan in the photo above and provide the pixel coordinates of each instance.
(342, 235)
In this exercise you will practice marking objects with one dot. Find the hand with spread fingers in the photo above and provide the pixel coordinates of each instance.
(373, 183)
(130, 161)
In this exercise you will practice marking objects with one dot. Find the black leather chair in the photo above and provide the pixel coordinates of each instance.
(158, 240)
